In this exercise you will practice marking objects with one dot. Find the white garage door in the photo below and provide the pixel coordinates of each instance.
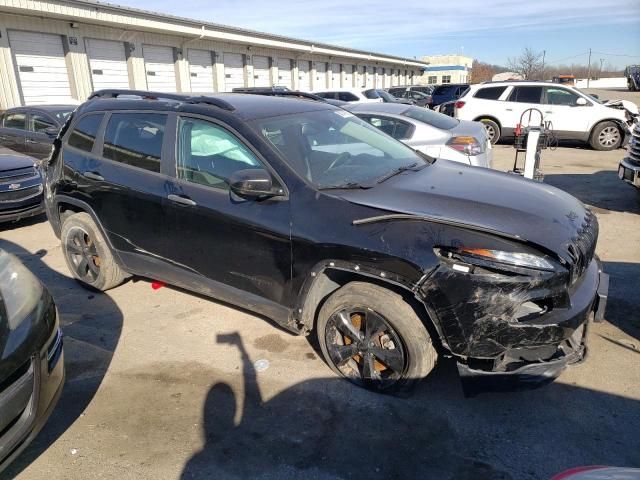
(369, 78)
(160, 68)
(233, 71)
(42, 70)
(304, 79)
(335, 75)
(386, 78)
(284, 72)
(321, 76)
(108, 64)
(201, 71)
(394, 77)
(261, 77)
(348, 76)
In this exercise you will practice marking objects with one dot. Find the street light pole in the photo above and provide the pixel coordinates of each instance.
(589, 69)
(544, 53)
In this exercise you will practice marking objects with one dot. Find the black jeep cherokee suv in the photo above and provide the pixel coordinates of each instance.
(302, 212)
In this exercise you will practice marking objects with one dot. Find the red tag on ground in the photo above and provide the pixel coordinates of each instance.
(156, 285)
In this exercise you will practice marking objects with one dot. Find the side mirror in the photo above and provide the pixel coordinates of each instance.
(581, 102)
(252, 183)
(52, 131)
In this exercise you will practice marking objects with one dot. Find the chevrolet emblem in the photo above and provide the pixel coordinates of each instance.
(14, 186)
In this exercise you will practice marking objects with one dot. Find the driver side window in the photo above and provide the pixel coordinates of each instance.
(209, 154)
(560, 96)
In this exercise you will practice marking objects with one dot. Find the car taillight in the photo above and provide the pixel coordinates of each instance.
(466, 144)
(459, 104)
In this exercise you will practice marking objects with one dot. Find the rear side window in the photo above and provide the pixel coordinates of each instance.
(39, 123)
(526, 95)
(445, 90)
(83, 135)
(347, 97)
(490, 93)
(135, 139)
(395, 128)
(15, 120)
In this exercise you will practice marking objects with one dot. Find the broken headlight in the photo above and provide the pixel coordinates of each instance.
(516, 259)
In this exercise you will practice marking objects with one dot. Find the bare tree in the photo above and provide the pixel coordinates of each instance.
(528, 64)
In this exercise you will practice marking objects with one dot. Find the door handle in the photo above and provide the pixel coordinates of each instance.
(182, 200)
(548, 111)
(509, 109)
(28, 140)
(93, 176)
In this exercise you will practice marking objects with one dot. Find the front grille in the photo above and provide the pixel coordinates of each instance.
(583, 245)
(17, 175)
(18, 195)
(634, 144)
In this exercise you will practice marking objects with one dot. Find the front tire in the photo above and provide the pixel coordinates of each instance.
(606, 136)
(373, 337)
(87, 255)
(493, 130)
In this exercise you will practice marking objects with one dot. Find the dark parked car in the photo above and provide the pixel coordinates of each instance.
(31, 363)
(396, 91)
(20, 187)
(31, 130)
(418, 98)
(447, 92)
(387, 97)
(304, 213)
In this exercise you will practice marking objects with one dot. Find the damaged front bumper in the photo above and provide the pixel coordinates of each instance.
(503, 352)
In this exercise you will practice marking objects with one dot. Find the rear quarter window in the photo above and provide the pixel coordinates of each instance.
(490, 93)
(83, 135)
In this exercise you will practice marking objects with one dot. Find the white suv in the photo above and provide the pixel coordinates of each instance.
(573, 115)
(350, 95)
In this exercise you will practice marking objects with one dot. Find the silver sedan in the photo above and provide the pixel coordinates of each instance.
(430, 132)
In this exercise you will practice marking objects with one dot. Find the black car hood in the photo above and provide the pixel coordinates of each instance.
(13, 161)
(482, 199)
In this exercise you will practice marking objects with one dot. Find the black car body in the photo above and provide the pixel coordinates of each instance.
(500, 272)
(31, 357)
(31, 130)
(20, 187)
(447, 92)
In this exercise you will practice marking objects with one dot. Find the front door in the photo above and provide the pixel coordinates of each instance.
(569, 119)
(239, 243)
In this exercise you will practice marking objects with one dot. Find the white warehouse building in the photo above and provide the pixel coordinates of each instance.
(53, 51)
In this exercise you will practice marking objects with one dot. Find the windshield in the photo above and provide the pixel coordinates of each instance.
(444, 89)
(386, 96)
(331, 148)
(435, 119)
(371, 94)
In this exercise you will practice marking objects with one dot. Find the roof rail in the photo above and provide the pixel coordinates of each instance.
(278, 92)
(179, 97)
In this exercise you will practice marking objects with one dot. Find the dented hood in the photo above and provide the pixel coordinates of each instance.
(480, 198)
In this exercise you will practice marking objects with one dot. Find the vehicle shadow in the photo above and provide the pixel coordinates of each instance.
(623, 303)
(602, 190)
(91, 323)
(23, 223)
(329, 429)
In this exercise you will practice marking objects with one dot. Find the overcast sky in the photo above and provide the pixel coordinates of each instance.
(490, 30)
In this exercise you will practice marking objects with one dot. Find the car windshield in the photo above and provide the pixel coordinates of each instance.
(61, 114)
(589, 96)
(371, 94)
(334, 148)
(434, 119)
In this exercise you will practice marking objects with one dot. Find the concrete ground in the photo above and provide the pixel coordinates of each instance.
(161, 384)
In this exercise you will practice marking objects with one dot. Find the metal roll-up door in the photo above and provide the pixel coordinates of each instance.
(233, 71)
(284, 73)
(369, 83)
(321, 76)
(201, 70)
(394, 77)
(159, 64)
(261, 76)
(42, 71)
(304, 79)
(108, 64)
(348, 76)
(335, 75)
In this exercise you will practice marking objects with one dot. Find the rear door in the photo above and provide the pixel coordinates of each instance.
(37, 141)
(14, 130)
(121, 175)
(517, 107)
(244, 244)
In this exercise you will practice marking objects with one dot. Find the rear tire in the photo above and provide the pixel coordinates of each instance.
(606, 136)
(373, 337)
(493, 130)
(87, 255)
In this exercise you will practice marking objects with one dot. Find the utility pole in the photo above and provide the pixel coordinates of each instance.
(544, 53)
(589, 69)
(601, 62)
